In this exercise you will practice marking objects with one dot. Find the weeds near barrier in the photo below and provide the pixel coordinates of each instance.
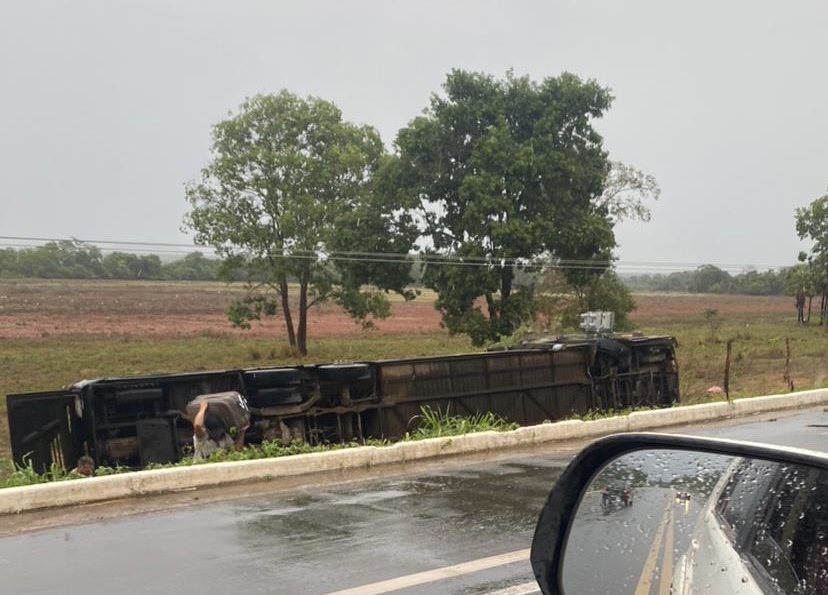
(23, 475)
(273, 449)
(437, 423)
(596, 414)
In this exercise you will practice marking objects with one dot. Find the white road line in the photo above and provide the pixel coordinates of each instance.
(522, 589)
(419, 578)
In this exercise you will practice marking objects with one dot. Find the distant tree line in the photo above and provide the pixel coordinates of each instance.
(71, 259)
(711, 279)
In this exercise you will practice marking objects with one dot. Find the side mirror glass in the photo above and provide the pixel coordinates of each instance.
(679, 521)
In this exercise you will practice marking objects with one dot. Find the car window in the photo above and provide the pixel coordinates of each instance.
(777, 522)
(790, 544)
(741, 498)
(777, 517)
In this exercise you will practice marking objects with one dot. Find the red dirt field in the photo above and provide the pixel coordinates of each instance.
(655, 305)
(35, 309)
(32, 309)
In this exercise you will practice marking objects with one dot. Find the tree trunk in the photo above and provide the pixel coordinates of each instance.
(283, 286)
(490, 306)
(507, 276)
(302, 330)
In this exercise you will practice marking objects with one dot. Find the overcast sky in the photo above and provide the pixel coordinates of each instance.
(106, 105)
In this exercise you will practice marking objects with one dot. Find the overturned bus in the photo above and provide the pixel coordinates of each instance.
(139, 420)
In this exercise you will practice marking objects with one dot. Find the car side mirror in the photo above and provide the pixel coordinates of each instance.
(644, 513)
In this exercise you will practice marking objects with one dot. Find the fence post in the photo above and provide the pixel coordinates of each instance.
(788, 379)
(727, 370)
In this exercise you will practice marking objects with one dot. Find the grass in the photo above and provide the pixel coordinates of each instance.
(761, 344)
(438, 423)
(596, 414)
(12, 475)
(22, 475)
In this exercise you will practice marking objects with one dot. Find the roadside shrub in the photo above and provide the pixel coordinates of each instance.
(434, 424)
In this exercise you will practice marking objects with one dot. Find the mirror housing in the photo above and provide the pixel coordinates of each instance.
(555, 521)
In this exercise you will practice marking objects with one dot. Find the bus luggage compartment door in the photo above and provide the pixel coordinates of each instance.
(42, 430)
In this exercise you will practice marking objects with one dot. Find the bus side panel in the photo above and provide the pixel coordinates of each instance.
(42, 430)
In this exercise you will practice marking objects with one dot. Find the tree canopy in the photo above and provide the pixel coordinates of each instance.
(502, 175)
(812, 224)
(496, 182)
(286, 197)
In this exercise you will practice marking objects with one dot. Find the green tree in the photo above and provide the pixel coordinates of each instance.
(812, 224)
(193, 267)
(123, 265)
(64, 259)
(501, 176)
(287, 192)
(711, 279)
(603, 293)
(559, 304)
(8, 263)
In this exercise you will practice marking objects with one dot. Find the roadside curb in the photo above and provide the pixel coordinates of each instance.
(141, 483)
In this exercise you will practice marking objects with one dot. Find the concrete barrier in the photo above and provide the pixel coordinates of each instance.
(141, 483)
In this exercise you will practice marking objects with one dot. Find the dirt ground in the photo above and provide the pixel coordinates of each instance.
(32, 309)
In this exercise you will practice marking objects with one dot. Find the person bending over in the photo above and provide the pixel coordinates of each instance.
(210, 433)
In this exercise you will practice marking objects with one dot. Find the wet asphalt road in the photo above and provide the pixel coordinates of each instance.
(315, 540)
(432, 525)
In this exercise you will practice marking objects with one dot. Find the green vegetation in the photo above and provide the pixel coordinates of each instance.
(436, 424)
(812, 224)
(711, 279)
(507, 180)
(595, 414)
(12, 475)
(759, 350)
(287, 202)
(77, 260)
(497, 183)
(26, 475)
(269, 450)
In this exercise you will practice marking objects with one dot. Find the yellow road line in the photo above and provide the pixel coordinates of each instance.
(646, 579)
(667, 560)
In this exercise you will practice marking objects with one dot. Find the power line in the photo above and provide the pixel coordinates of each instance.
(429, 259)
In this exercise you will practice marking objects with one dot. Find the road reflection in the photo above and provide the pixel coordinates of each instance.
(629, 549)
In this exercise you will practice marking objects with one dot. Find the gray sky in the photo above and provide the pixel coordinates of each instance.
(106, 105)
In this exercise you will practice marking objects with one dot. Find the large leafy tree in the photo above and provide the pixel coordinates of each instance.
(286, 202)
(504, 175)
